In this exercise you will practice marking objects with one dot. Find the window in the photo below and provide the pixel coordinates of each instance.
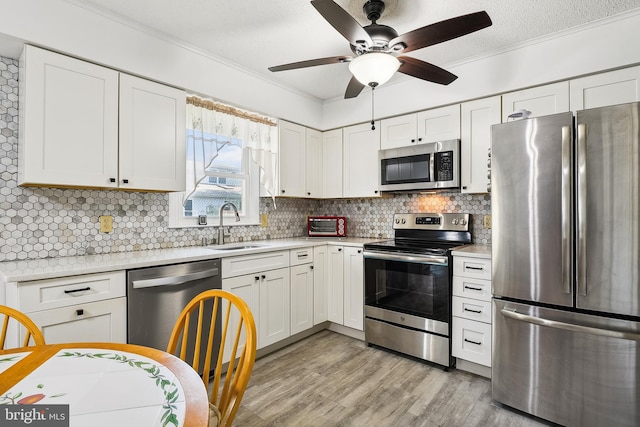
(220, 168)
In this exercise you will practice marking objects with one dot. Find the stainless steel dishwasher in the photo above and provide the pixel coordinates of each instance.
(157, 295)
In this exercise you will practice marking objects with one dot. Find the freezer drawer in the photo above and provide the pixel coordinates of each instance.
(570, 368)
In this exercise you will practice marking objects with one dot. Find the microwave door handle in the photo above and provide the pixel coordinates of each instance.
(432, 168)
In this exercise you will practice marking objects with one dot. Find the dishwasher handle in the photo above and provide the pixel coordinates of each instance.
(175, 280)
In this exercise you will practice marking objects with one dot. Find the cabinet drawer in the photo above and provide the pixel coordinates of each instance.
(102, 321)
(472, 309)
(472, 288)
(478, 268)
(471, 341)
(65, 291)
(300, 256)
(249, 264)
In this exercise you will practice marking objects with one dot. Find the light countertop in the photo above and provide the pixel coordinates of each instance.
(47, 268)
(478, 251)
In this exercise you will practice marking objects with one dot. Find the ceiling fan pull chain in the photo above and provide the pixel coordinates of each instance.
(373, 124)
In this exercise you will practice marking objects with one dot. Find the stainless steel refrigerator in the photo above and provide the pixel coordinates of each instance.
(565, 258)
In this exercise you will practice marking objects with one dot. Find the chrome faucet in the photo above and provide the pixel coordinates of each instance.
(220, 214)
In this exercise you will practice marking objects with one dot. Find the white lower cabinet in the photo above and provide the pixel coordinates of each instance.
(345, 282)
(84, 308)
(471, 309)
(103, 321)
(302, 289)
(274, 324)
(320, 284)
(246, 287)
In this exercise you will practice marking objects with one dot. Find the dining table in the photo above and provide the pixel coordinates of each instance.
(105, 384)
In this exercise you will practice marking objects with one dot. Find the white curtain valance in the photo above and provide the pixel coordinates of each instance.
(213, 125)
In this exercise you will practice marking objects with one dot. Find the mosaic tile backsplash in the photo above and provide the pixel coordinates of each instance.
(44, 222)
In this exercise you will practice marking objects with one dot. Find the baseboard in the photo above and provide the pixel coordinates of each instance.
(474, 368)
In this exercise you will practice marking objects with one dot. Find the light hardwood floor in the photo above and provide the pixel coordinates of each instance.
(330, 379)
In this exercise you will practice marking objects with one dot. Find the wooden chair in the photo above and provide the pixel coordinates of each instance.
(196, 337)
(33, 331)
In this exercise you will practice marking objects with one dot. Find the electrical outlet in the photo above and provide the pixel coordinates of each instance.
(264, 220)
(486, 221)
(106, 223)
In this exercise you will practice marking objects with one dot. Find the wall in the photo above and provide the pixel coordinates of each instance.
(47, 222)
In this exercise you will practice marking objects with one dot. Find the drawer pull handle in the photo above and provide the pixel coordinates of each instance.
(71, 291)
(80, 312)
(473, 311)
(472, 288)
(303, 255)
(472, 342)
(468, 267)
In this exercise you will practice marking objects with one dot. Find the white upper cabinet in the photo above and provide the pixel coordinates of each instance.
(292, 158)
(300, 166)
(332, 164)
(600, 90)
(152, 135)
(399, 131)
(68, 121)
(477, 118)
(313, 164)
(541, 100)
(76, 117)
(360, 151)
(438, 124)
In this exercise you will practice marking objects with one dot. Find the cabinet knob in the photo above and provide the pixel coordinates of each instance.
(125, 181)
(263, 277)
(257, 278)
(282, 191)
(413, 140)
(339, 249)
(308, 194)
(80, 312)
(464, 187)
(112, 180)
(311, 267)
(419, 139)
(376, 191)
(359, 251)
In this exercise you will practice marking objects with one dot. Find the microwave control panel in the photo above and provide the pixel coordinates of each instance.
(444, 166)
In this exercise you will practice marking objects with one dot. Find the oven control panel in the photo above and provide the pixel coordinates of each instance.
(431, 221)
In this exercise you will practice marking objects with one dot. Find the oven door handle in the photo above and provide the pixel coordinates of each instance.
(413, 258)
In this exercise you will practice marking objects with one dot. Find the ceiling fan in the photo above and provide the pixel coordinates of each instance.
(376, 47)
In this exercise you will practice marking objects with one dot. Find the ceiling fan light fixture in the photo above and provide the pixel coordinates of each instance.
(374, 68)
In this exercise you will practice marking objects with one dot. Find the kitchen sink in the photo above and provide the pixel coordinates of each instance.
(234, 247)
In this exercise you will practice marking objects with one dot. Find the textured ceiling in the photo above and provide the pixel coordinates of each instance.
(256, 34)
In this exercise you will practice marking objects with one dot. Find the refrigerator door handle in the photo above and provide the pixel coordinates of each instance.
(512, 314)
(582, 209)
(566, 209)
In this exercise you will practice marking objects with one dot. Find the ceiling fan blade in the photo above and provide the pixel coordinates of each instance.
(425, 71)
(343, 22)
(442, 31)
(353, 88)
(311, 63)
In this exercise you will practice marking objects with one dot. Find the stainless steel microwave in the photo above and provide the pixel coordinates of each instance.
(431, 166)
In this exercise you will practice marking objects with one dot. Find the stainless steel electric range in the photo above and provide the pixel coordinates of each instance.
(407, 285)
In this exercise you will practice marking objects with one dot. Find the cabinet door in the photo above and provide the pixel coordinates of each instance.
(477, 118)
(353, 288)
(68, 121)
(274, 322)
(541, 100)
(248, 288)
(360, 150)
(335, 284)
(152, 136)
(313, 164)
(292, 158)
(439, 124)
(600, 90)
(398, 131)
(104, 321)
(332, 164)
(320, 284)
(301, 297)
